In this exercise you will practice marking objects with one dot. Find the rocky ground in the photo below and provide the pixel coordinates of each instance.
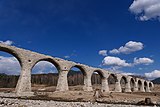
(76, 98)
(8, 102)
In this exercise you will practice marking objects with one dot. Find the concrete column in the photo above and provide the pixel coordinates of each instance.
(142, 87)
(148, 88)
(118, 87)
(105, 87)
(118, 84)
(128, 87)
(136, 86)
(87, 83)
(152, 85)
(62, 84)
(23, 87)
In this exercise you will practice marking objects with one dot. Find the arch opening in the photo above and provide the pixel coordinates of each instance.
(139, 85)
(132, 84)
(112, 79)
(151, 86)
(75, 78)
(44, 76)
(10, 69)
(11, 52)
(123, 83)
(145, 86)
(96, 79)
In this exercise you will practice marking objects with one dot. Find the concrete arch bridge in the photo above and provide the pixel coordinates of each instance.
(28, 59)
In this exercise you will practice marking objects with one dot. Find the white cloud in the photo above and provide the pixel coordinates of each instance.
(114, 51)
(146, 9)
(44, 67)
(115, 61)
(67, 56)
(129, 47)
(8, 42)
(116, 70)
(103, 52)
(9, 65)
(145, 61)
(153, 74)
(128, 73)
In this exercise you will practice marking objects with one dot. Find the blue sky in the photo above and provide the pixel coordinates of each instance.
(78, 29)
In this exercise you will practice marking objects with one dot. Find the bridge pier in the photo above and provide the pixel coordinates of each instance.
(62, 84)
(142, 87)
(105, 87)
(87, 83)
(136, 86)
(23, 87)
(118, 87)
(118, 84)
(148, 88)
(128, 85)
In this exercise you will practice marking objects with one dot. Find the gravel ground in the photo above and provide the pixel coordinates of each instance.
(8, 102)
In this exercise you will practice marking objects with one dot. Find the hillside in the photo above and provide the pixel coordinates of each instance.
(156, 81)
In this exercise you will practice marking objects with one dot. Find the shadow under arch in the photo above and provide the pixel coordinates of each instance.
(112, 79)
(132, 84)
(123, 83)
(96, 79)
(139, 85)
(9, 77)
(145, 86)
(45, 81)
(151, 86)
(75, 77)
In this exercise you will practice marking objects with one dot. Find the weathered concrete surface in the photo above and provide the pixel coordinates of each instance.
(28, 59)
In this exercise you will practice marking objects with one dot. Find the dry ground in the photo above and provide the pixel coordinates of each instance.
(76, 94)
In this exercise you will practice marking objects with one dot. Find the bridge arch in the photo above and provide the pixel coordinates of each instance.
(112, 79)
(51, 60)
(49, 67)
(80, 67)
(139, 85)
(123, 82)
(132, 84)
(145, 86)
(12, 52)
(151, 85)
(10, 69)
(97, 77)
(76, 75)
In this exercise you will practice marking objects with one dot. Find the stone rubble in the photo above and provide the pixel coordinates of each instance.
(8, 102)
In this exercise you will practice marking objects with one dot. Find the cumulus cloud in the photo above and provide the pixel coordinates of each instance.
(115, 61)
(153, 74)
(145, 61)
(128, 48)
(146, 9)
(103, 52)
(8, 42)
(44, 67)
(11, 66)
(128, 73)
